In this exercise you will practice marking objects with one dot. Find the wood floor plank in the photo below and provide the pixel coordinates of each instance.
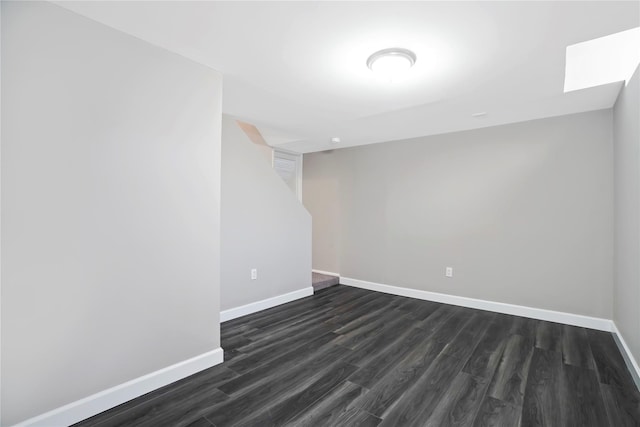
(524, 327)
(229, 355)
(485, 358)
(541, 403)
(419, 401)
(277, 324)
(361, 335)
(233, 343)
(385, 360)
(465, 342)
(342, 315)
(293, 312)
(611, 367)
(276, 349)
(581, 401)
(316, 353)
(576, 350)
(247, 403)
(549, 336)
(368, 350)
(389, 389)
(452, 325)
(364, 320)
(509, 381)
(437, 318)
(337, 409)
(283, 412)
(497, 413)
(357, 301)
(275, 334)
(460, 402)
(419, 310)
(227, 332)
(623, 408)
(406, 304)
(200, 422)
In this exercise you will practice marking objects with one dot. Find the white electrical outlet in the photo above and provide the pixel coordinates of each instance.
(254, 273)
(448, 272)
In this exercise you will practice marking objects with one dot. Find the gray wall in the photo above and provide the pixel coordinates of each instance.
(322, 182)
(264, 226)
(626, 118)
(522, 212)
(110, 197)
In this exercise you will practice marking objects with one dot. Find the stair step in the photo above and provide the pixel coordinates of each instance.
(321, 281)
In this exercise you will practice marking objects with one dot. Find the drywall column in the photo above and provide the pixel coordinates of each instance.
(264, 227)
(111, 208)
(626, 133)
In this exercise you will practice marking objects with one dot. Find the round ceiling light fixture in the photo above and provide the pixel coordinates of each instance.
(391, 63)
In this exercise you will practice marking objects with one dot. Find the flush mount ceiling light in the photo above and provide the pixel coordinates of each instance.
(391, 63)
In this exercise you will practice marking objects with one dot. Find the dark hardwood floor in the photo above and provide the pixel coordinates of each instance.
(351, 357)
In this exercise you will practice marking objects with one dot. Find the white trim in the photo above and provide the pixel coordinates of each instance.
(114, 396)
(254, 307)
(284, 150)
(297, 157)
(328, 273)
(299, 178)
(631, 362)
(499, 307)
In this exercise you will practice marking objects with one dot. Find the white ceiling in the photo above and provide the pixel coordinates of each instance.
(297, 70)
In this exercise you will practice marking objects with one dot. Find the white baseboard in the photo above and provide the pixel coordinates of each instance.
(114, 396)
(499, 307)
(328, 273)
(254, 307)
(631, 362)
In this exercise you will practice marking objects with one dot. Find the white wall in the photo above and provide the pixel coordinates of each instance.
(626, 118)
(264, 226)
(110, 197)
(522, 212)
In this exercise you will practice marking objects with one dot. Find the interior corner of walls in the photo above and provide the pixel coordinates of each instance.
(629, 358)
